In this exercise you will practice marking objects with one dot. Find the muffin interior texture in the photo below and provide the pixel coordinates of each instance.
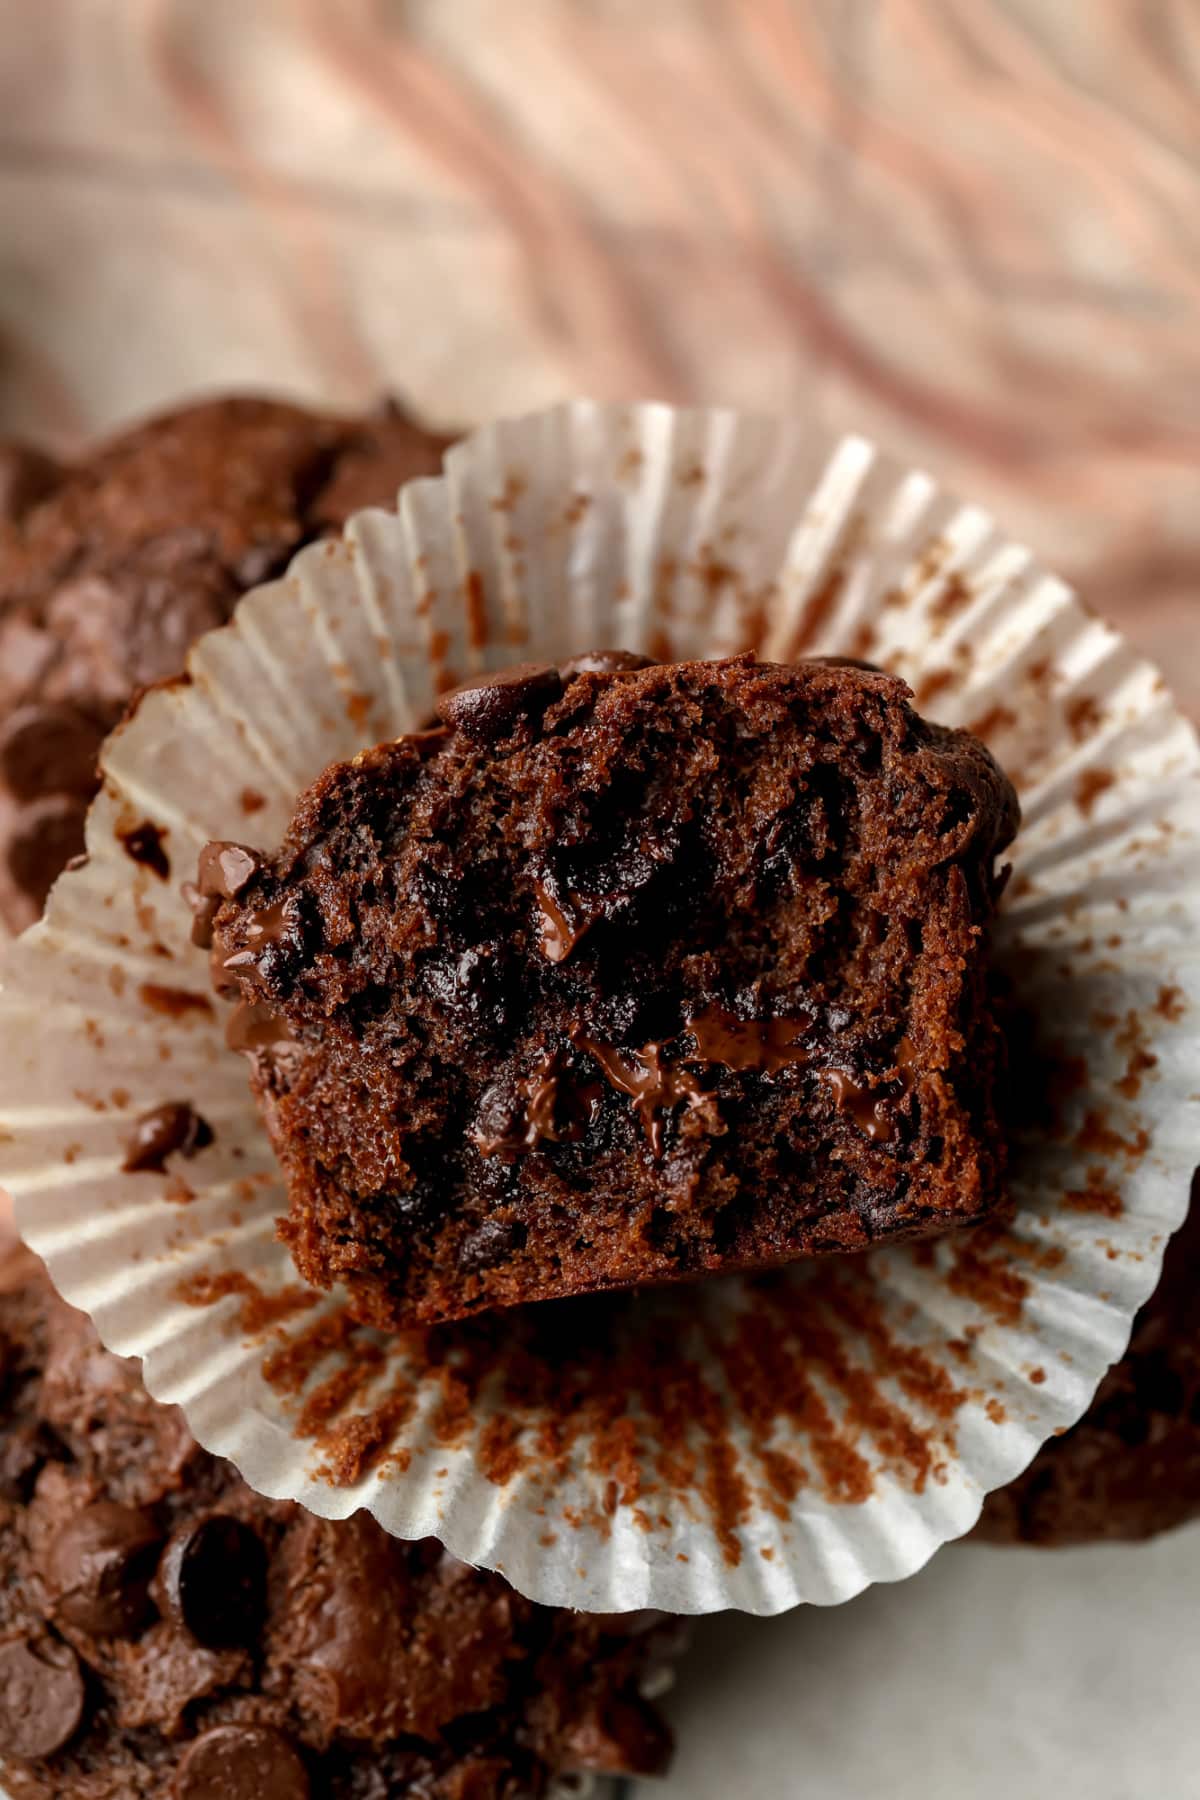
(624, 973)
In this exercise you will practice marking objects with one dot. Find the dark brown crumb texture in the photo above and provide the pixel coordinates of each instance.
(166, 1634)
(621, 974)
(1131, 1467)
(111, 567)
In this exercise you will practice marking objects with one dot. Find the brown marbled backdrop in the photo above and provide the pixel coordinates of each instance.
(969, 227)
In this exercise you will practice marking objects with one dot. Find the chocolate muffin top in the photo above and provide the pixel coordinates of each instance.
(112, 566)
(166, 1634)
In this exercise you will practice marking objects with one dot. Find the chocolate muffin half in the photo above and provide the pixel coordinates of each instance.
(111, 567)
(166, 1634)
(622, 974)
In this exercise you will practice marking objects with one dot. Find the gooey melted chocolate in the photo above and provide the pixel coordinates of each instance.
(657, 1083)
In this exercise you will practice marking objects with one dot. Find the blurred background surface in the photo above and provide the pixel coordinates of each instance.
(968, 227)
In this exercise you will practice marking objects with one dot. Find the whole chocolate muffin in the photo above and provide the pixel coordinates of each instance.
(1131, 1467)
(112, 566)
(623, 974)
(166, 1634)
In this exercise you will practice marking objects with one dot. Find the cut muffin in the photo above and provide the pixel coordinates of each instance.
(623, 974)
(165, 1631)
(112, 566)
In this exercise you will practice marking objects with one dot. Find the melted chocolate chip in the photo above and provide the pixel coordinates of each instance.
(144, 844)
(540, 1104)
(868, 1110)
(264, 927)
(766, 1044)
(41, 1697)
(100, 1567)
(204, 911)
(561, 929)
(49, 748)
(225, 869)
(604, 662)
(873, 1109)
(241, 1762)
(173, 1126)
(493, 1242)
(544, 1112)
(654, 1084)
(212, 1581)
(494, 705)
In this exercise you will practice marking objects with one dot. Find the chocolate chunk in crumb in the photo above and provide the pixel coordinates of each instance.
(225, 869)
(494, 705)
(173, 1126)
(212, 1582)
(100, 1566)
(41, 1697)
(241, 1762)
(491, 1243)
(604, 662)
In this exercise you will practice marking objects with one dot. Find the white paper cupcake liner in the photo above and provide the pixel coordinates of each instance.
(775, 1442)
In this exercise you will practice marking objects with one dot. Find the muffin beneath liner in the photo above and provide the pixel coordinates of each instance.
(1130, 1468)
(112, 566)
(164, 1631)
(623, 973)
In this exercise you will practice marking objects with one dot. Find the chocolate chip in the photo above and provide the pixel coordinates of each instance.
(174, 1126)
(241, 1762)
(41, 1696)
(262, 929)
(490, 1243)
(225, 869)
(212, 1581)
(604, 662)
(204, 911)
(49, 748)
(494, 704)
(100, 1566)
